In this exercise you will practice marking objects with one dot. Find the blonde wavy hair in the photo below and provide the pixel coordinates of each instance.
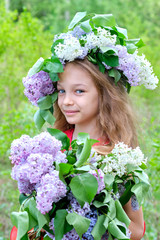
(116, 119)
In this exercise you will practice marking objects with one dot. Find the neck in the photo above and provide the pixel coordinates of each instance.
(91, 129)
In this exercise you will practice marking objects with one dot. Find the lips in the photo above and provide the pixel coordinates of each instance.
(70, 112)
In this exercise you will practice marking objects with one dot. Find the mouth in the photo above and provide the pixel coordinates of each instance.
(70, 112)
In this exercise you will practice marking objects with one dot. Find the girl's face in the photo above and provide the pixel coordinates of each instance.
(77, 96)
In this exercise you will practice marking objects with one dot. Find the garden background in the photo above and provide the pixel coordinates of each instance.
(27, 28)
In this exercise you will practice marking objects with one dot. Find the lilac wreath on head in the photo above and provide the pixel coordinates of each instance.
(97, 37)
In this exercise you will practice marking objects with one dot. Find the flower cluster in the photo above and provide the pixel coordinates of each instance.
(78, 44)
(120, 156)
(102, 38)
(37, 86)
(33, 160)
(70, 49)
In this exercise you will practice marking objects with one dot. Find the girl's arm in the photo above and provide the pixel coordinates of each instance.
(137, 222)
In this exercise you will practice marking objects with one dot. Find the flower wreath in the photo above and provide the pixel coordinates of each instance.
(97, 37)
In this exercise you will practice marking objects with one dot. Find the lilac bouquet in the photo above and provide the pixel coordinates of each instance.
(72, 192)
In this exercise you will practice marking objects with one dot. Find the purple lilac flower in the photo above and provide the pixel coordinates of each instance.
(20, 149)
(45, 143)
(39, 164)
(77, 32)
(100, 179)
(75, 206)
(84, 53)
(134, 203)
(51, 189)
(37, 86)
(33, 158)
(72, 235)
(128, 65)
(20, 173)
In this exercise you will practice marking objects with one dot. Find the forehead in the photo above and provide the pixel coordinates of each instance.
(74, 74)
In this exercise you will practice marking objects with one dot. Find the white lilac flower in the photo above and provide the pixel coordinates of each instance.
(37, 86)
(146, 75)
(50, 190)
(102, 38)
(69, 50)
(121, 156)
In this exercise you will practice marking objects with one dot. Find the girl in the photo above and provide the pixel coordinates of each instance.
(94, 65)
(89, 101)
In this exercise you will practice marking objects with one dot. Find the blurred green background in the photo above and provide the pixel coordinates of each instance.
(27, 28)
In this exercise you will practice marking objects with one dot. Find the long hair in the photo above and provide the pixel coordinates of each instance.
(116, 119)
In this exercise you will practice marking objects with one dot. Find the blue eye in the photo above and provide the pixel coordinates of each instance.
(79, 91)
(61, 91)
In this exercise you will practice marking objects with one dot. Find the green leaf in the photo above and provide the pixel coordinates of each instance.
(84, 187)
(115, 74)
(106, 221)
(61, 136)
(126, 195)
(36, 214)
(107, 196)
(81, 138)
(120, 214)
(47, 116)
(54, 67)
(108, 179)
(140, 190)
(122, 32)
(131, 48)
(111, 210)
(22, 198)
(53, 76)
(142, 176)
(21, 221)
(132, 167)
(86, 26)
(36, 67)
(76, 19)
(104, 20)
(98, 204)
(109, 50)
(111, 60)
(99, 229)
(137, 42)
(38, 119)
(64, 169)
(115, 231)
(61, 226)
(45, 102)
(80, 224)
(54, 96)
(85, 153)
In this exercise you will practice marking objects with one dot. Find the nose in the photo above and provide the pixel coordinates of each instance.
(68, 100)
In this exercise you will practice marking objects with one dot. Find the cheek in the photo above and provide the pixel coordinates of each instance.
(59, 102)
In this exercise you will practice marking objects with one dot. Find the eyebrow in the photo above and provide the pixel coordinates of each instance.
(75, 85)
